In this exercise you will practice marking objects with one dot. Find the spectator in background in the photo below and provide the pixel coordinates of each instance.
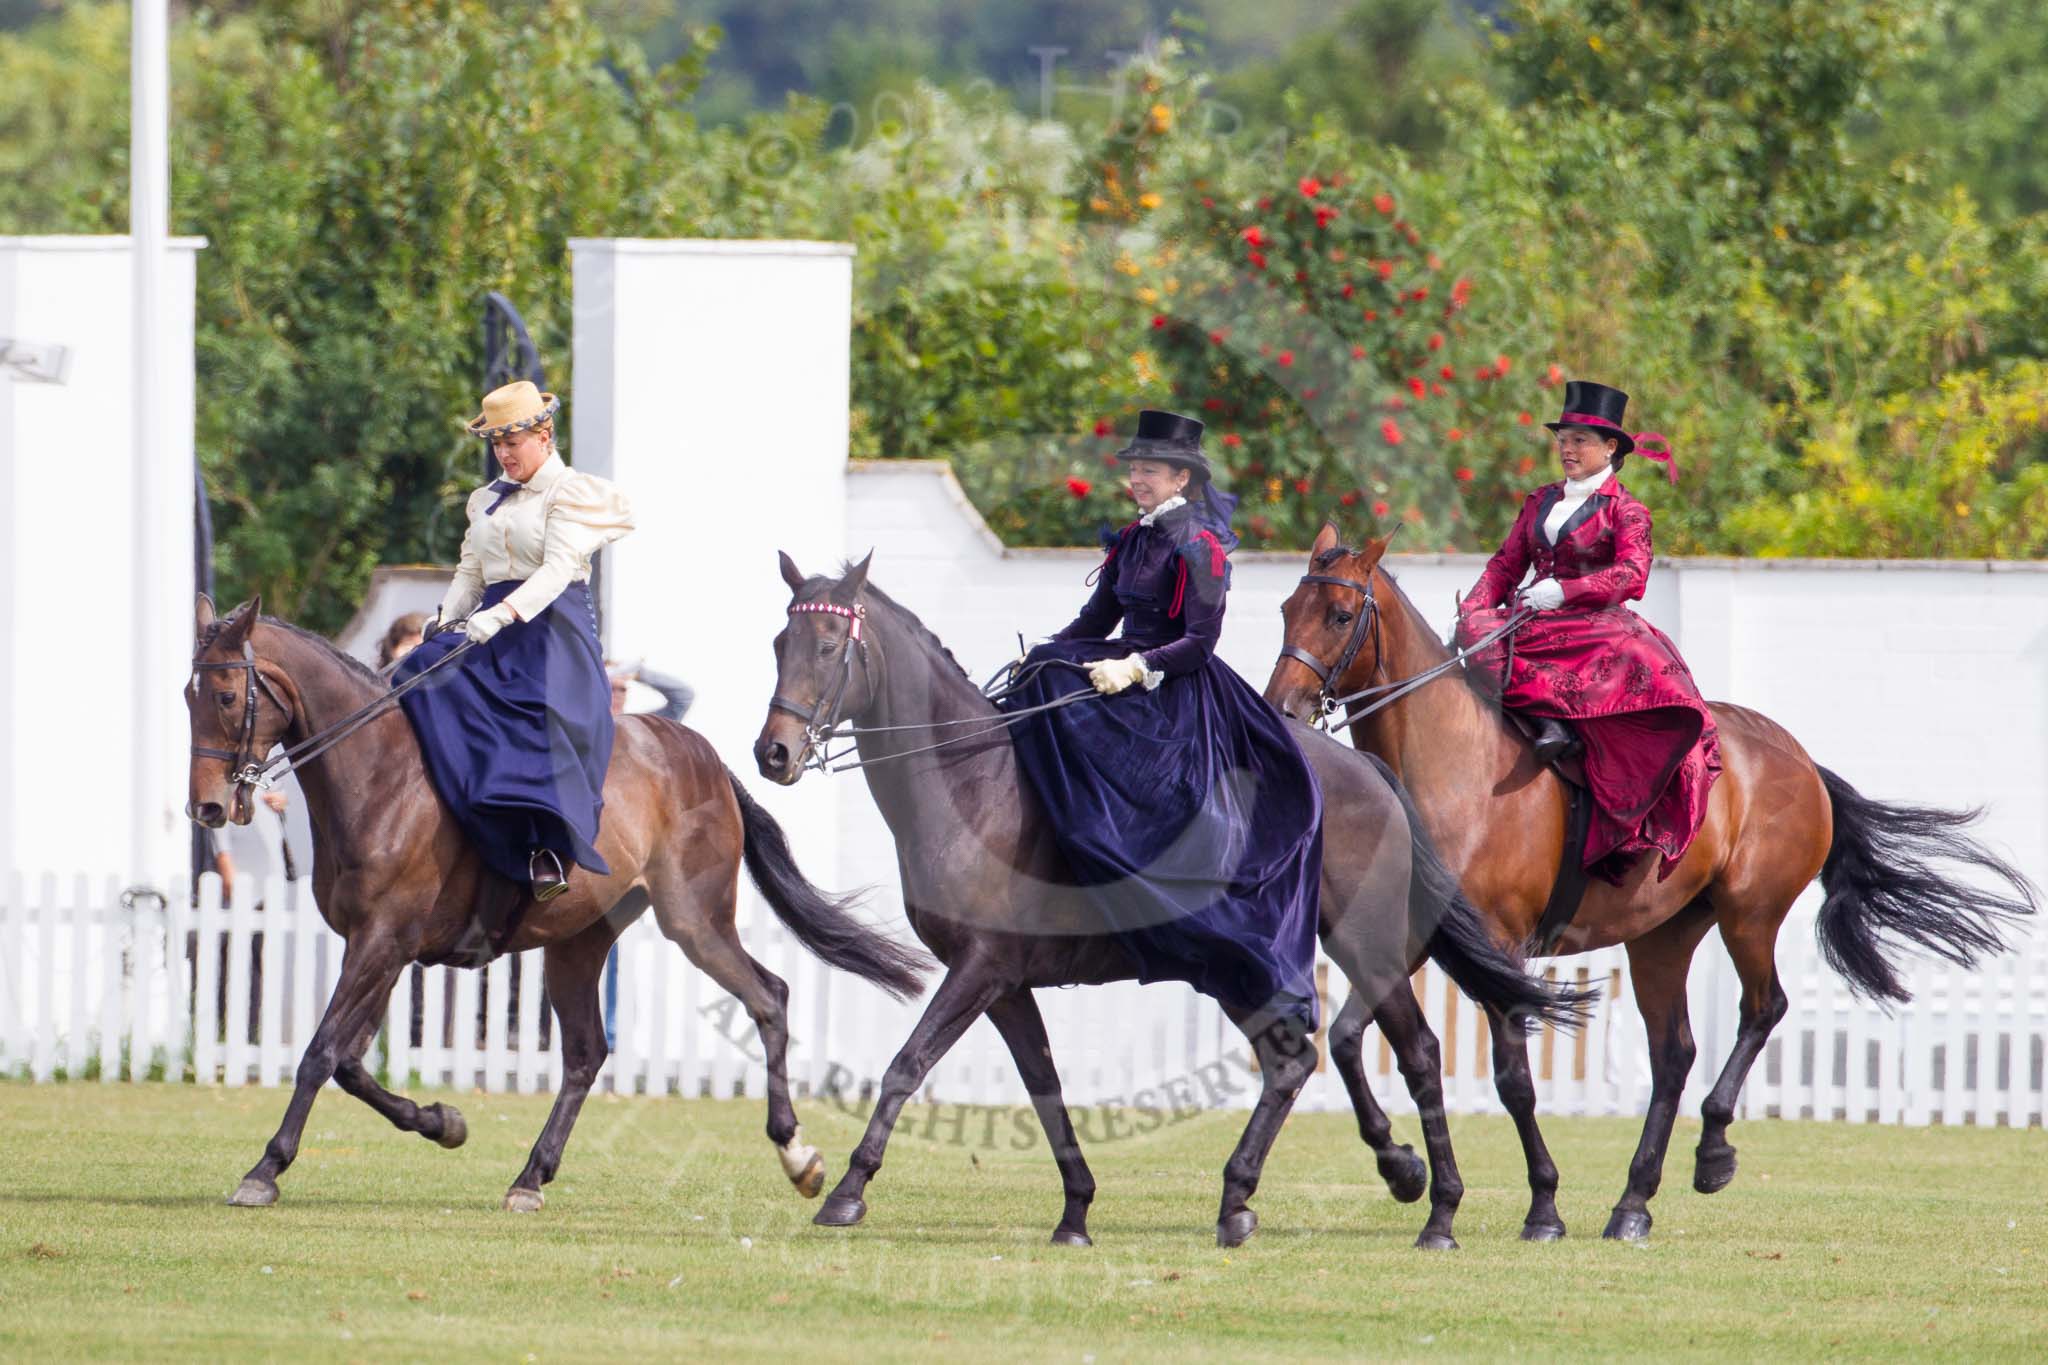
(400, 638)
(676, 694)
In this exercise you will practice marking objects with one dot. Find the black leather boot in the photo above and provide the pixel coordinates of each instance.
(1554, 740)
(550, 878)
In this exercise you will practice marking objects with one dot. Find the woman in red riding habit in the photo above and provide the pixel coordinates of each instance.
(1650, 748)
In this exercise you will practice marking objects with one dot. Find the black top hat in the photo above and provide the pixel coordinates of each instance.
(1597, 408)
(1170, 439)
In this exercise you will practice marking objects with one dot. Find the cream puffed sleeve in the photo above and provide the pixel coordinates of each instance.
(466, 589)
(584, 514)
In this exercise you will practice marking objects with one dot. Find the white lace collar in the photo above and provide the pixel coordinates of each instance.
(1162, 509)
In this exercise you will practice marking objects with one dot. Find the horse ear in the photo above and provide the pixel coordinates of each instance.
(1375, 550)
(849, 589)
(791, 574)
(239, 624)
(203, 615)
(1326, 541)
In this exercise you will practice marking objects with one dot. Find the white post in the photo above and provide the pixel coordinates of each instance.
(712, 384)
(149, 213)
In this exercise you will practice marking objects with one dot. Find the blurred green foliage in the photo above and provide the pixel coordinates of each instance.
(1365, 259)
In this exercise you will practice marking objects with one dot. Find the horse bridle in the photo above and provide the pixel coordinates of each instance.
(243, 768)
(1333, 709)
(822, 718)
(1367, 623)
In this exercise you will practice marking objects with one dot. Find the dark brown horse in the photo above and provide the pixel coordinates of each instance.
(393, 876)
(986, 888)
(1775, 820)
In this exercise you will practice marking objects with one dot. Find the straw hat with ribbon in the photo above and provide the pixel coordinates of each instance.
(515, 407)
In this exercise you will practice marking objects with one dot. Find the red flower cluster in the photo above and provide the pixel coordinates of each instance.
(1079, 487)
(1158, 321)
(1380, 509)
(1384, 202)
(1102, 427)
(1232, 439)
(1310, 187)
(1324, 213)
(1464, 475)
(1390, 432)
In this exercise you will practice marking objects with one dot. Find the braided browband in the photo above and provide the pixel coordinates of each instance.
(854, 614)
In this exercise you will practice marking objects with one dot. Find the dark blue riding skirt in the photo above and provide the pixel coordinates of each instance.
(518, 733)
(1192, 818)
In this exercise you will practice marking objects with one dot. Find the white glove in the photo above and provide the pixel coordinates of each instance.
(484, 624)
(1545, 594)
(1112, 676)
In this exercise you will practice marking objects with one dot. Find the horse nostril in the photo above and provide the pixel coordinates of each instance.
(208, 813)
(772, 755)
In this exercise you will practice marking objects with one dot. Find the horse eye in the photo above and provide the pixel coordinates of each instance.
(224, 698)
(827, 648)
(1343, 618)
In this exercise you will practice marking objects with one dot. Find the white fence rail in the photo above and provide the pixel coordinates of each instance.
(98, 985)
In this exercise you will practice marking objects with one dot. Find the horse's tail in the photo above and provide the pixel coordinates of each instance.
(1459, 943)
(1880, 886)
(820, 921)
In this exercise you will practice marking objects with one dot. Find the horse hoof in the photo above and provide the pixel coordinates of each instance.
(841, 1211)
(518, 1200)
(812, 1180)
(1543, 1232)
(1627, 1226)
(454, 1131)
(1407, 1178)
(1067, 1237)
(1714, 1171)
(1436, 1241)
(1236, 1229)
(254, 1194)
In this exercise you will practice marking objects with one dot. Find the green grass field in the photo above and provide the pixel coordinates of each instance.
(672, 1231)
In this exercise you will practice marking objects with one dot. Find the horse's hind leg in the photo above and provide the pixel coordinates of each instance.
(1516, 1086)
(1286, 1059)
(700, 922)
(1400, 1017)
(368, 971)
(1407, 1178)
(1017, 1018)
(1752, 943)
(441, 1122)
(1659, 962)
(571, 970)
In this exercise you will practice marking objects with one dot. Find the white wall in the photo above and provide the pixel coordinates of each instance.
(76, 668)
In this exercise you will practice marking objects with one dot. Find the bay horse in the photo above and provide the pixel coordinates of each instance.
(1775, 820)
(394, 877)
(985, 887)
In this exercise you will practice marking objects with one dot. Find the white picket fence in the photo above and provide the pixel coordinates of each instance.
(95, 983)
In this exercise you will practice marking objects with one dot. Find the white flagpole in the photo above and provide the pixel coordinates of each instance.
(149, 211)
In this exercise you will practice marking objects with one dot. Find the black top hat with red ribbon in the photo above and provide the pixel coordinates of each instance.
(1600, 409)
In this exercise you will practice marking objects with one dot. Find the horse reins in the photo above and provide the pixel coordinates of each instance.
(822, 722)
(245, 770)
(1381, 695)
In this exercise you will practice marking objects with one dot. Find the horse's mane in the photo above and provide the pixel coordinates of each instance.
(320, 642)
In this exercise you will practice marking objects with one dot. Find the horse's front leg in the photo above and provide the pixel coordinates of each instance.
(1516, 1086)
(369, 969)
(966, 992)
(1017, 1018)
(571, 970)
(441, 1122)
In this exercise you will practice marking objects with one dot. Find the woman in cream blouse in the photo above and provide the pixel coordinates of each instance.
(518, 733)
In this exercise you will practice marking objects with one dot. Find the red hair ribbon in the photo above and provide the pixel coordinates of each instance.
(1653, 447)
